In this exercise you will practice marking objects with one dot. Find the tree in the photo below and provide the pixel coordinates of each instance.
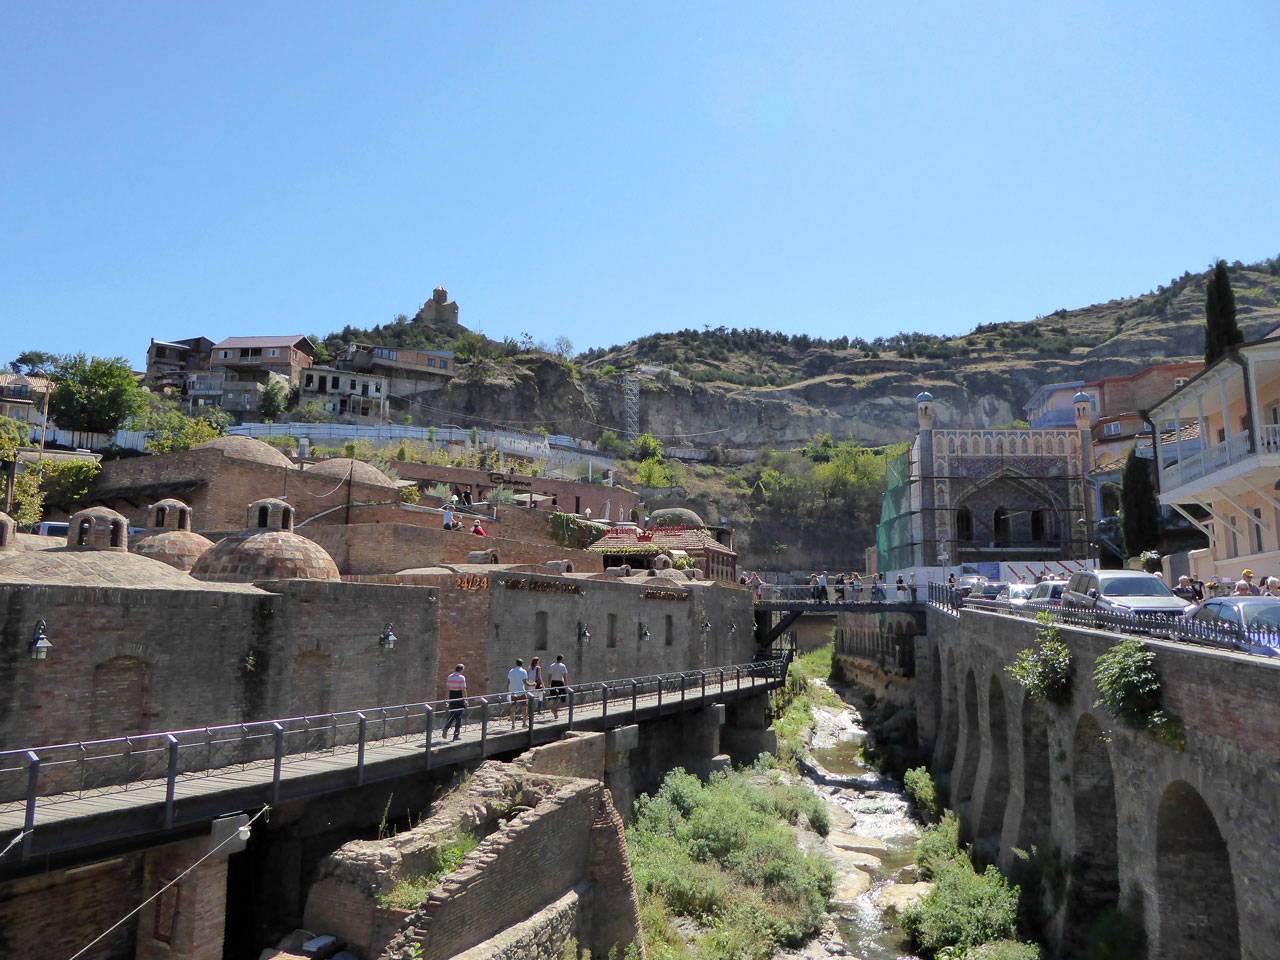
(94, 394)
(1221, 331)
(647, 447)
(1139, 506)
(610, 444)
(33, 362)
(272, 402)
(564, 348)
(169, 430)
(322, 352)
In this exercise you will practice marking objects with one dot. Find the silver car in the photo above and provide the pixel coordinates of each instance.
(1124, 592)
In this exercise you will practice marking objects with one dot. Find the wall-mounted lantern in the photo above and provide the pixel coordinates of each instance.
(644, 631)
(40, 645)
(733, 626)
(583, 634)
(388, 639)
(706, 626)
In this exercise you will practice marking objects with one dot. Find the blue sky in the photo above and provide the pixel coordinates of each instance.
(606, 170)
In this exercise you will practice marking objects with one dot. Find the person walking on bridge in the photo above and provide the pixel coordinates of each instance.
(822, 596)
(559, 674)
(517, 677)
(857, 587)
(456, 684)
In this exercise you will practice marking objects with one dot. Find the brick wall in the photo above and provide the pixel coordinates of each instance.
(569, 495)
(194, 658)
(1115, 789)
(188, 920)
(499, 886)
(229, 486)
(55, 914)
(380, 548)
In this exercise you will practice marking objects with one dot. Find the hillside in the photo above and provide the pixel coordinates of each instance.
(752, 388)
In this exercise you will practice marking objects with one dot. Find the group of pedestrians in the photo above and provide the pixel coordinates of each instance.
(522, 692)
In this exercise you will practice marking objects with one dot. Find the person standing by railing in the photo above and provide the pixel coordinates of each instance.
(559, 674)
(456, 684)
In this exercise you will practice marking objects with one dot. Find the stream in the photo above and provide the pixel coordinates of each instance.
(871, 844)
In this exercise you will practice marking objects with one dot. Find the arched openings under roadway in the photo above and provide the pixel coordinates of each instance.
(1034, 825)
(950, 715)
(1193, 876)
(935, 693)
(972, 743)
(1095, 883)
(996, 796)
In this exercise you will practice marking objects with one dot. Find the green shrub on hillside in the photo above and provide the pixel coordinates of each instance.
(719, 852)
(920, 789)
(939, 844)
(964, 909)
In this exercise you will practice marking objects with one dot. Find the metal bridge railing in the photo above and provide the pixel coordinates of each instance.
(1259, 640)
(73, 770)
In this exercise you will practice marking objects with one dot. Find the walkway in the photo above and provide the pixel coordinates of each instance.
(70, 796)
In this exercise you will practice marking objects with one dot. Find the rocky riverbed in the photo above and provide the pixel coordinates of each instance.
(871, 844)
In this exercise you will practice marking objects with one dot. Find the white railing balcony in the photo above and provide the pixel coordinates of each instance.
(1233, 450)
(1269, 438)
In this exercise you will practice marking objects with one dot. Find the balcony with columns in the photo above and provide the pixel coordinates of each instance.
(1235, 472)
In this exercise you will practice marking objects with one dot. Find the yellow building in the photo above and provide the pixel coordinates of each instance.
(1235, 475)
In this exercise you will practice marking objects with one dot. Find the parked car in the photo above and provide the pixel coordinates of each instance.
(1048, 592)
(989, 590)
(1252, 622)
(1017, 593)
(969, 583)
(1129, 592)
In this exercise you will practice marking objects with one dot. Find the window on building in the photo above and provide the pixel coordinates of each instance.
(1235, 539)
(382, 353)
(964, 524)
(444, 364)
(540, 630)
(1257, 529)
(1168, 425)
(353, 385)
(1180, 382)
(333, 382)
(224, 354)
(1037, 525)
(1112, 429)
(364, 387)
(431, 361)
(611, 631)
(669, 633)
(273, 352)
(309, 380)
(1000, 526)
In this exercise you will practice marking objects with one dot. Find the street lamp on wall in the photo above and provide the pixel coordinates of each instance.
(40, 645)
(388, 639)
(583, 634)
(644, 631)
(706, 626)
(733, 626)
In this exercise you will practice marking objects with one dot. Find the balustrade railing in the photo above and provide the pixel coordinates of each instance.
(1257, 640)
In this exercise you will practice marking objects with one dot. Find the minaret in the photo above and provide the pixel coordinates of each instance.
(925, 553)
(1084, 416)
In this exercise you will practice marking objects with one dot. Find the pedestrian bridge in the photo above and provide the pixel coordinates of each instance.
(777, 608)
(74, 797)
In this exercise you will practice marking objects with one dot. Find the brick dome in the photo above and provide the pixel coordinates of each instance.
(361, 472)
(675, 517)
(178, 548)
(265, 555)
(247, 448)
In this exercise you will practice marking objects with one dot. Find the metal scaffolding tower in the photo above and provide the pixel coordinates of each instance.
(631, 406)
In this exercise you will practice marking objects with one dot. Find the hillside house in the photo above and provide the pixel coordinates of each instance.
(1234, 405)
(287, 356)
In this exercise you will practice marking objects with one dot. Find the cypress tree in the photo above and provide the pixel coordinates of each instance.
(1220, 328)
(1139, 506)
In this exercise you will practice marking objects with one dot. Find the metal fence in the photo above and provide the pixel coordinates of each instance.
(868, 592)
(1260, 641)
(73, 770)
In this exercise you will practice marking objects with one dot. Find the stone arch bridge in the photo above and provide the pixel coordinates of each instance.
(1185, 841)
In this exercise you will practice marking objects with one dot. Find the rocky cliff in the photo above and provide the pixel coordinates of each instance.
(861, 390)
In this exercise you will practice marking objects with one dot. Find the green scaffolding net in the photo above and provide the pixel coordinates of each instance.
(893, 533)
